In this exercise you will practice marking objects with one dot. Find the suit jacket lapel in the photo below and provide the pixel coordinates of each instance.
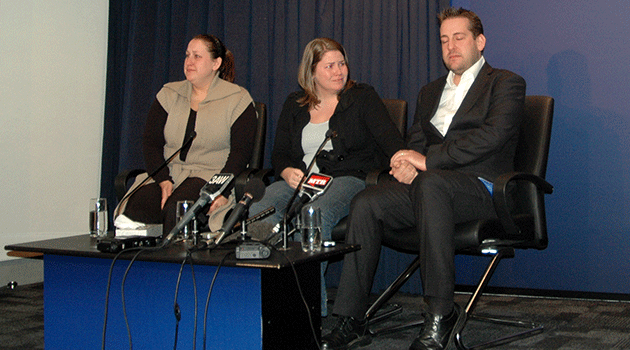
(476, 89)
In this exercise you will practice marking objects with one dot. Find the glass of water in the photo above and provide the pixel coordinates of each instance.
(182, 208)
(98, 217)
(311, 229)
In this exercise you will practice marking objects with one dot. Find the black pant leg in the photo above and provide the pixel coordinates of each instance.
(441, 199)
(187, 190)
(144, 205)
(386, 206)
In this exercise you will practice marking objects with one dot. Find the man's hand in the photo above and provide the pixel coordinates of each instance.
(405, 165)
(292, 176)
(404, 172)
(167, 190)
(418, 160)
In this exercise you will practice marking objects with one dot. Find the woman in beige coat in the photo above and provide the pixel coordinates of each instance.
(223, 116)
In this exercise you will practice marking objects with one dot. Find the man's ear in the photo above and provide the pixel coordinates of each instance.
(480, 41)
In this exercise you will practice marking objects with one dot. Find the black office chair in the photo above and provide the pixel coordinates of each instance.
(122, 180)
(522, 226)
(397, 110)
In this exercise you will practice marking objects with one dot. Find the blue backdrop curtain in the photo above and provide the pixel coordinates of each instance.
(392, 45)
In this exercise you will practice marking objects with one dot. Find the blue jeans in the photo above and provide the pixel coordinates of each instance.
(334, 205)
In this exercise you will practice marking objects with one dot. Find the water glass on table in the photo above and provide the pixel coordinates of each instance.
(187, 231)
(98, 217)
(311, 230)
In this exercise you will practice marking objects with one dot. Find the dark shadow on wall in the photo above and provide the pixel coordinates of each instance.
(588, 209)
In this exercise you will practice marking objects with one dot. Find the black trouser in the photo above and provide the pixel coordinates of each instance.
(144, 205)
(434, 202)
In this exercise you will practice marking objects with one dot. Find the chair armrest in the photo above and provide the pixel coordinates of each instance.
(500, 197)
(121, 180)
(376, 175)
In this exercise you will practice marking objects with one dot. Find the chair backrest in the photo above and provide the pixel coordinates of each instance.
(258, 153)
(531, 157)
(397, 110)
(533, 144)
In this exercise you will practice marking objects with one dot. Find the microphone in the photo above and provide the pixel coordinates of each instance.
(314, 186)
(254, 191)
(330, 134)
(211, 190)
(186, 143)
(263, 214)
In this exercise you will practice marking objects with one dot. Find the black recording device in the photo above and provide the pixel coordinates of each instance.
(115, 245)
(252, 250)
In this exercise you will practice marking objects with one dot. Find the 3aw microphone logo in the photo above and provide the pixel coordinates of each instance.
(220, 179)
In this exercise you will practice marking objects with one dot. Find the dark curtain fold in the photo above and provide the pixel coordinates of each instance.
(392, 45)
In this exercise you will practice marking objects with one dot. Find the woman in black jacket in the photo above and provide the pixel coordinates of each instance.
(366, 137)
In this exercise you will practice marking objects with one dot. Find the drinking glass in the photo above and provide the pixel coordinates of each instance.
(98, 217)
(311, 229)
(182, 208)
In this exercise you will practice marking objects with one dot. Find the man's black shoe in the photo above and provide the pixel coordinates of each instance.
(438, 331)
(349, 333)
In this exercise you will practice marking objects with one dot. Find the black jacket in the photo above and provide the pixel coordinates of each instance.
(366, 136)
(482, 137)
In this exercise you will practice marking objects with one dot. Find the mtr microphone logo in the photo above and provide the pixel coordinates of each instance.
(317, 182)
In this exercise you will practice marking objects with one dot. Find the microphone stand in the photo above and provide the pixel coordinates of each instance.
(330, 134)
(188, 141)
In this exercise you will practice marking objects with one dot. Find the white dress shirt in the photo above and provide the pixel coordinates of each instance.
(453, 95)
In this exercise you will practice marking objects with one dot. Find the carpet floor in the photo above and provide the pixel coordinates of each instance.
(569, 324)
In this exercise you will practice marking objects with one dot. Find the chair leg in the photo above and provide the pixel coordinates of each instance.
(532, 328)
(393, 288)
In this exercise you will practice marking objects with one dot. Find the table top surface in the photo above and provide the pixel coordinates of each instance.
(85, 246)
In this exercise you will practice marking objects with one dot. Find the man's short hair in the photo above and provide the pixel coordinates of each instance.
(452, 12)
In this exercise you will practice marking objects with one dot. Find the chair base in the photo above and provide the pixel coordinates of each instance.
(497, 253)
(531, 329)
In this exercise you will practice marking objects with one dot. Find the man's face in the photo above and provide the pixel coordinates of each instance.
(460, 49)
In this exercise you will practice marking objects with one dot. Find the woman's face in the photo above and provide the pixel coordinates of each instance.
(331, 73)
(199, 66)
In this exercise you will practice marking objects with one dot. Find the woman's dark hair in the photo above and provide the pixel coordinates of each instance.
(217, 49)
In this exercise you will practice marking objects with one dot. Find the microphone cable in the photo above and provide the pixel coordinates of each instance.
(214, 277)
(205, 314)
(176, 308)
(122, 295)
(108, 288)
(297, 282)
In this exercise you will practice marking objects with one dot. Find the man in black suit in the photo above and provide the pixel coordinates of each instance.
(464, 135)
